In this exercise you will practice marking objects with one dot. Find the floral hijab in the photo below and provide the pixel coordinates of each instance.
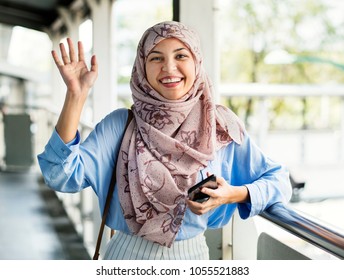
(168, 142)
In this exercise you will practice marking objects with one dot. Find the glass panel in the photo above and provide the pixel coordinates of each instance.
(288, 56)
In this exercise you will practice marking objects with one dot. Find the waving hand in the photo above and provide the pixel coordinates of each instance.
(79, 80)
(74, 71)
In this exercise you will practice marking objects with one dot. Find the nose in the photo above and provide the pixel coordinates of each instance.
(169, 66)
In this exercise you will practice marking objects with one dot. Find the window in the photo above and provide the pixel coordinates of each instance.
(289, 56)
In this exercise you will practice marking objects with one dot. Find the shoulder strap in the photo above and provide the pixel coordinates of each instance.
(109, 197)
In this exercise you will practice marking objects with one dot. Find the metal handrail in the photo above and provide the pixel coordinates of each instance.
(306, 228)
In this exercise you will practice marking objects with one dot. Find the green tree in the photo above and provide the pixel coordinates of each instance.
(254, 29)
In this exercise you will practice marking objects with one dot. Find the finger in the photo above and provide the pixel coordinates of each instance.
(71, 50)
(195, 207)
(56, 58)
(212, 193)
(193, 204)
(220, 180)
(94, 64)
(81, 51)
(64, 55)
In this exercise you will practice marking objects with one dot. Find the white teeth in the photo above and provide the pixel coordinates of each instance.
(170, 80)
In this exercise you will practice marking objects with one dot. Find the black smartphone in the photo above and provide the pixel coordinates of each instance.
(195, 193)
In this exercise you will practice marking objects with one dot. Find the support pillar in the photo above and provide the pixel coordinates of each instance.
(103, 90)
(202, 16)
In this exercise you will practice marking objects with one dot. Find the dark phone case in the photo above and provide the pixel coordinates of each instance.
(195, 193)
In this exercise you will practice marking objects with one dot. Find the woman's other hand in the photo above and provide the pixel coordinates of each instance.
(224, 194)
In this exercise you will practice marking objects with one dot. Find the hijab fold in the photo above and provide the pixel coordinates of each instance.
(168, 142)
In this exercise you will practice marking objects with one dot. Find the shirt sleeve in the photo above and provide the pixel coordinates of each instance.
(71, 167)
(266, 180)
(56, 160)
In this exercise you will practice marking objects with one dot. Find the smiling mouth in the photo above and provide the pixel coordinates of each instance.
(170, 80)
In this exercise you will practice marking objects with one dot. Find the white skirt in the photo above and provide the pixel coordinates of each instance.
(130, 247)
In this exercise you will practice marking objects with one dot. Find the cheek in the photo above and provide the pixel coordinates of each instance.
(192, 73)
(150, 73)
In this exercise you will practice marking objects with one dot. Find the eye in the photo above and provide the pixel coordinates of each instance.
(156, 58)
(181, 56)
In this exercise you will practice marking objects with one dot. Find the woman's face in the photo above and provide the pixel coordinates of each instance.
(170, 69)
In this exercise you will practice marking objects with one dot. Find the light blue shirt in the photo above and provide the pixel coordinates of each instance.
(71, 167)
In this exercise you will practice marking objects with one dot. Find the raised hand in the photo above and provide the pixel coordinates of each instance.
(73, 69)
(79, 80)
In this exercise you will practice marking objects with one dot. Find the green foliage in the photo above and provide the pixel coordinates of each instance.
(311, 32)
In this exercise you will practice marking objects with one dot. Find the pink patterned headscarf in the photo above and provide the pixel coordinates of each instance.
(168, 142)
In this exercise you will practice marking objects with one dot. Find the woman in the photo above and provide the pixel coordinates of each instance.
(177, 137)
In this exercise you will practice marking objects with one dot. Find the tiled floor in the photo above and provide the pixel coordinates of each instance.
(33, 224)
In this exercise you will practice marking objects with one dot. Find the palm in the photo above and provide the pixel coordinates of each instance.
(76, 76)
(73, 69)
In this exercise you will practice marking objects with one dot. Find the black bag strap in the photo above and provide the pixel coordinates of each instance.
(108, 198)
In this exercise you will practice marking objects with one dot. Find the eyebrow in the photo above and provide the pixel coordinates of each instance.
(176, 50)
